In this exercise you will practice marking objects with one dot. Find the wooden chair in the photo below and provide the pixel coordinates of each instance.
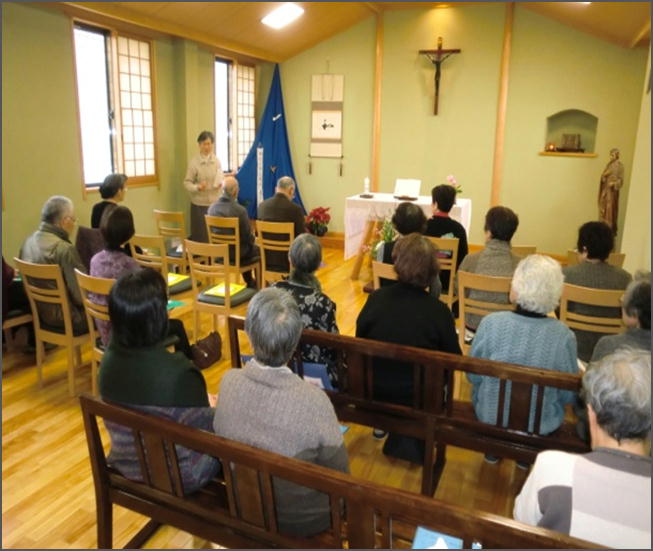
(152, 252)
(590, 297)
(94, 312)
(226, 231)
(274, 237)
(172, 227)
(523, 250)
(615, 259)
(447, 264)
(209, 266)
(14, 319)
(382, 270)
(484, 283)
(51, 289)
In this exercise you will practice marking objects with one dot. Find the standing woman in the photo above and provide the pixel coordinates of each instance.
(203, 182)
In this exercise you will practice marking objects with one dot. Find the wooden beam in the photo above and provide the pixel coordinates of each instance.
(117, 13)
(373, 7)
(499, 135)
(376, 121)
(646, 29)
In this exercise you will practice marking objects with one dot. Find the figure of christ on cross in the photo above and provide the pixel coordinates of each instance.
(437, 57)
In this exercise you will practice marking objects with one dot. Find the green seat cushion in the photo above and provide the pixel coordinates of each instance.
(241, 296)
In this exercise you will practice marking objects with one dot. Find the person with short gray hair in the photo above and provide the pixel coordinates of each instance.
(227, 207)
(51, 244)
(318, 311)
(603, 496)
(527, 337)
(636, 315)
(268, 406)
(281, 208)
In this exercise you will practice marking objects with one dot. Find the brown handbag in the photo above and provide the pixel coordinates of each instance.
(207, 351)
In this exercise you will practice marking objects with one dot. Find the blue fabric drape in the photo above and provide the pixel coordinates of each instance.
(273, 137)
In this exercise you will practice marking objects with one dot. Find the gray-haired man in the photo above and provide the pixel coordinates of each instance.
(603, 496)
(266, 405)
(51, 244)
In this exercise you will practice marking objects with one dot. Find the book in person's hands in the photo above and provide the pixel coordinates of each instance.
(430, 539)
(219, 289)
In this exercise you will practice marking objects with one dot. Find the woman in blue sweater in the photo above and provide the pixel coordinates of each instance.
(527, 337)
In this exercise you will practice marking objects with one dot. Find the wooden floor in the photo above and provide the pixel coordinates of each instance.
(47, 487)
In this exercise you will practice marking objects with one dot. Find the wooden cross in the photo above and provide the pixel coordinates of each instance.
(437, 57)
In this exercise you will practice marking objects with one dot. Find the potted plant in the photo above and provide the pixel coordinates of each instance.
(317, 221)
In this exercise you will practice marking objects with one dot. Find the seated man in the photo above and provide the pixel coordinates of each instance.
(636, 315)
(227, 207)
(603, 496)
(280, 208)
(266, 405)
(441, 225)
(50, 244)
(595, 242)
(496, 259)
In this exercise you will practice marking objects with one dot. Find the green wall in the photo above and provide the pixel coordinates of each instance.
(350, 53)
(553, 68)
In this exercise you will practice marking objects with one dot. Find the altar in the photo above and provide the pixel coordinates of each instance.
(364, 216)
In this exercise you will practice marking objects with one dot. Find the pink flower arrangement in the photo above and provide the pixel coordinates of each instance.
(451, 180)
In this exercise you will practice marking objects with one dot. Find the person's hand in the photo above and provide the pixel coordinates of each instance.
(213, 399)
(201, 186)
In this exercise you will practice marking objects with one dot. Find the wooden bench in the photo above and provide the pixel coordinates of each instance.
(433, 417)
(238, 510)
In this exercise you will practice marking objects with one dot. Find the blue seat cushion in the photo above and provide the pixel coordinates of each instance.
(241, 296)
(174, 253)
(180, 286)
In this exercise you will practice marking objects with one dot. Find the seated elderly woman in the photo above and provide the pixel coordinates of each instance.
(404, 313)
(267, 406)
(595, 242)
(636, 315)
(603, 496)
(112, 192)
(137, 371)
(528, 337)
(318, 310)
(117, 229)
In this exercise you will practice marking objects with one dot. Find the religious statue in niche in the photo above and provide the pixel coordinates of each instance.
(612, 178)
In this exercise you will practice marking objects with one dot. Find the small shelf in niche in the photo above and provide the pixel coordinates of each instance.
(566, 154)
(571, 132)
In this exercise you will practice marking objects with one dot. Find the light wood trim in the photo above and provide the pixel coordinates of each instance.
(382, 270)
(615, 259)
(499, 135)
(565, 154)
(119, 14)
(523, 250)
(646, 29)
(376, 120)
(373, 7)
(85, 189)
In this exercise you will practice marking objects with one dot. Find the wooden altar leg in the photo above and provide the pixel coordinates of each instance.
(370, 228)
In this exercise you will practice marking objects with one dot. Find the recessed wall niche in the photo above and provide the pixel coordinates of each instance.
(571, 132)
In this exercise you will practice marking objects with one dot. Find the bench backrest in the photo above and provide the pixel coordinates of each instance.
(433, 381)
(375, 516)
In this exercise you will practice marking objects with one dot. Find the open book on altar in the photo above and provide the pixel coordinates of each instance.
(407, 188)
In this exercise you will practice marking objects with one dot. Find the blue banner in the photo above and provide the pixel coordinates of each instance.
(270, 146)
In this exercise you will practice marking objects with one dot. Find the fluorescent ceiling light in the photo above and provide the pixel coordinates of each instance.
(282, 16)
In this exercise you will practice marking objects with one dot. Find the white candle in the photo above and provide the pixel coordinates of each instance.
(367, 185)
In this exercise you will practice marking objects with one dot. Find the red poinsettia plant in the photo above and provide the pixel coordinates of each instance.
(317, 220)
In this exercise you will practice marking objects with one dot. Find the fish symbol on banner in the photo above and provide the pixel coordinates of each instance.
(276, 117)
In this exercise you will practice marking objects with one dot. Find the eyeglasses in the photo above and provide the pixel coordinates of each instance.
(73, 218)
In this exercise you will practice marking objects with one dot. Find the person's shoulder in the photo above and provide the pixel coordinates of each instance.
(556, 465)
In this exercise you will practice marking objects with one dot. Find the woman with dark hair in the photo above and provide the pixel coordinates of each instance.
(203, 182)
(407, 218)
(595, 242)
(405, 313)
(139, 372)
(112, 262)
(112, 192)
(318, 310)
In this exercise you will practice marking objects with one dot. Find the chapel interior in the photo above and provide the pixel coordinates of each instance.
(527, 74)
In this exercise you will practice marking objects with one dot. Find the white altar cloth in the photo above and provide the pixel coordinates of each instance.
(358, 211)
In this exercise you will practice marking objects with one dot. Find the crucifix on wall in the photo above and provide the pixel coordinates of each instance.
(437, 57)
